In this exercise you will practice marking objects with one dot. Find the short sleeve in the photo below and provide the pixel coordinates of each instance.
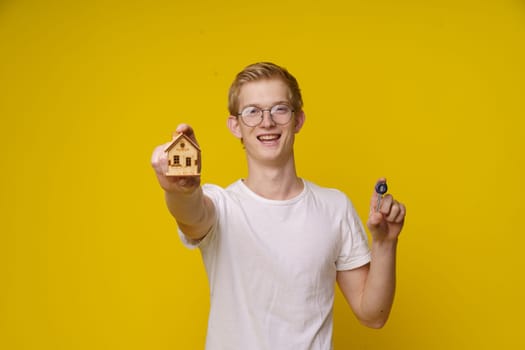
(355, 251)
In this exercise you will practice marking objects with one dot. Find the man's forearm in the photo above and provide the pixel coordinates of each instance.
(378, 295)
(193, 211)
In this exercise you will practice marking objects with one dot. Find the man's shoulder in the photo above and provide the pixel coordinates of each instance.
(325, 192)
(214, 190)
(328, 198)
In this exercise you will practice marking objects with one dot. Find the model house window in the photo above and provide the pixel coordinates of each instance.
(176, 160)
(188, 161)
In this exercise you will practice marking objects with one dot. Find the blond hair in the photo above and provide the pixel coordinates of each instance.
(262, 71)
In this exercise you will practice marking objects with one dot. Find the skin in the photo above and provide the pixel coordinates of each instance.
(370, 289)
(193, 211)
(271, 165)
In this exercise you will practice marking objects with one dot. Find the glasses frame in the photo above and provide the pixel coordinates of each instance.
(269, 110)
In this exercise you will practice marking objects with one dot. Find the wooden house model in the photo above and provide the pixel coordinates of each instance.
(183, 157)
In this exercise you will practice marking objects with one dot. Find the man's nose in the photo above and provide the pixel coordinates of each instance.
(267, 119)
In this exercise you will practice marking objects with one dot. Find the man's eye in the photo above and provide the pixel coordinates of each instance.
(250, 112)
(280, 109)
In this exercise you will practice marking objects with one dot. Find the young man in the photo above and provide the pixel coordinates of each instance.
(274, 244)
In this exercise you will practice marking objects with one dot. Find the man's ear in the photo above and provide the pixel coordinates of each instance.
(233, 125)
(299, 120)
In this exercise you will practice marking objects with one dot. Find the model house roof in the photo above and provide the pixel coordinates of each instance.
(181, 137)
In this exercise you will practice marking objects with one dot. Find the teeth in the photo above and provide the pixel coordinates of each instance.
(268, 137)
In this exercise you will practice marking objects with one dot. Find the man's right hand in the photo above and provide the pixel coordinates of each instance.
(159, 162)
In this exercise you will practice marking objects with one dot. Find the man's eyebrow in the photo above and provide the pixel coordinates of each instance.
(281, 102)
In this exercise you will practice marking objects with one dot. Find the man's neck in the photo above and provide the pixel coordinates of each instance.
(277, 183)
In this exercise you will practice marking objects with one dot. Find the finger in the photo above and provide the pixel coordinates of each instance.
(187, 183)
(187, 130)
(182, 181)
(374, 220)
(394, 212)
(386, 204)
(401, 215)
(159, 159)
(155, 156)
(184, 128)
(381, 179)
(373, 202)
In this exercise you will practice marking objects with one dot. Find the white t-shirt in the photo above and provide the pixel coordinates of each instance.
(272, 265)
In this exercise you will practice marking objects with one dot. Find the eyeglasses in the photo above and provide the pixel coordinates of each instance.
(252, 116)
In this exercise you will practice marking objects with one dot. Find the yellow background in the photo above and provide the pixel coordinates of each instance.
(429, 94)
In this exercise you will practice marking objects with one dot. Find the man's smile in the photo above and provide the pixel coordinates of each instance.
(268, 137)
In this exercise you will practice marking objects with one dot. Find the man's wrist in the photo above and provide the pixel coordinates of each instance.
(384, 244)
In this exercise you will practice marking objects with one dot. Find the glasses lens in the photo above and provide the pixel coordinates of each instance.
(251, 115)
(281, 114)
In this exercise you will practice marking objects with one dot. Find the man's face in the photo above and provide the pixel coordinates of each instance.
(267, 142)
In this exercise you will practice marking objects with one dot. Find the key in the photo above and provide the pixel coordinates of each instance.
(381, 189)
